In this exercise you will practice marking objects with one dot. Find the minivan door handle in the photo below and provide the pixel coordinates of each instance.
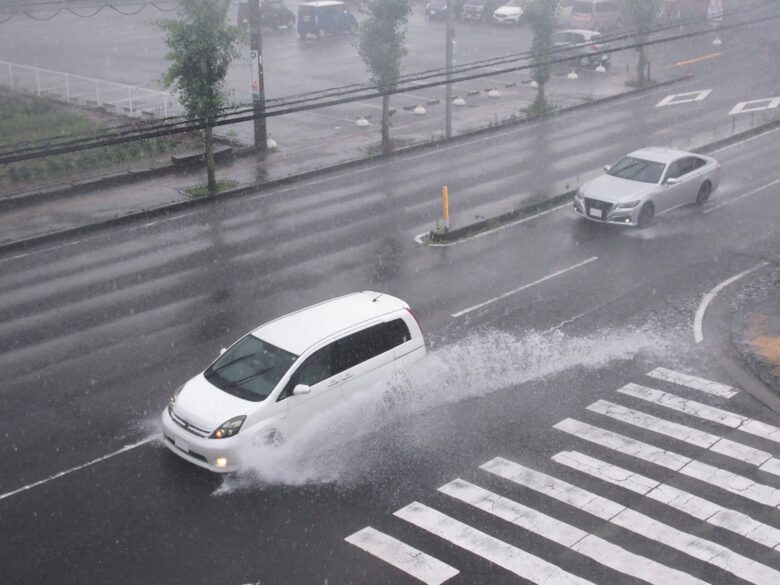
(348, 376)
(333, 382)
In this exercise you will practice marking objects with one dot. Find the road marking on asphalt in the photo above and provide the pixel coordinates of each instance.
(698, 333)
(683, 98)
(496, 551)
(686, 434)
(694, 546)
(589, 545)
(751, 106)
(694, 506)
(525, 287)
(696, 60)
(693, 382)
(72, 469)
(715, 476)
(740, 197)
(419, 565)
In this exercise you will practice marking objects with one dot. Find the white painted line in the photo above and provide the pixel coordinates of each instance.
(740, 197)
(683, 98)
(419, 237)
(703, 439)
(698, 334)
(751, 106)
(416, 563)
(525, 287)
(693, 382)
(685, 502)
(496, 551)
(72, 469)
(645, 526)
(555, 488)
(715, 476)
(598, 549)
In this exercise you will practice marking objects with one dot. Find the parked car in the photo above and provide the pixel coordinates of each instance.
(647, 183)
(437, 9)
(324, 17)
(480, 9)
(583, 47)
(273, 14)
(596, 14)
(509, 13)
(270, 383)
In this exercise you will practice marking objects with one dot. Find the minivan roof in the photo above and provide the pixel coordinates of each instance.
(298, 331)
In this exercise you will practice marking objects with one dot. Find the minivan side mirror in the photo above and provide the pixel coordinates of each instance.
(222, 351)
(607, 167)
(301, 389)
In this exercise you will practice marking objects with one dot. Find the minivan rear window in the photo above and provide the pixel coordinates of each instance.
(250, 369)
(364, 345)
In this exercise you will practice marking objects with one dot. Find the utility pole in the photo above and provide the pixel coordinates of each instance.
(448, 93)
(258, 84)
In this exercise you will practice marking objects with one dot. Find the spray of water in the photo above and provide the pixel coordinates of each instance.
(343, 446)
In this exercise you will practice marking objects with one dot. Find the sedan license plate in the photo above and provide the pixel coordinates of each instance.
(597, 213)
(183, 445)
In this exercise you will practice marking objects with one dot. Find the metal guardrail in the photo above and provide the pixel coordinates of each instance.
(127, 99)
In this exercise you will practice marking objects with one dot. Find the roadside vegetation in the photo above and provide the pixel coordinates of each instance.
(26, 118)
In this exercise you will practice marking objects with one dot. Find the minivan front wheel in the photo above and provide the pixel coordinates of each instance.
(646, 215)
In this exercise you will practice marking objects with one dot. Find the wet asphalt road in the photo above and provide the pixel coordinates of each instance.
(97, 332)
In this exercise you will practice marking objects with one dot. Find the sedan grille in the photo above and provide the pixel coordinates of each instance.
(188, 426)
(603, 206)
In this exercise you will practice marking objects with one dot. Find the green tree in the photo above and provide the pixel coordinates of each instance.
(381, 46)
(541, 18)
(642, 14)
(202, 45)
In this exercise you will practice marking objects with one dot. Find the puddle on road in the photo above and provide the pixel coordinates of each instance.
(343, 446)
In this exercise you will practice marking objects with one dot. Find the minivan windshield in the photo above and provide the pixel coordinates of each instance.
(637, 169)
(250, 369)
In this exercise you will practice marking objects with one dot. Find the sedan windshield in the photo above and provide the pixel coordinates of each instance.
(250, 369)
(637, 169)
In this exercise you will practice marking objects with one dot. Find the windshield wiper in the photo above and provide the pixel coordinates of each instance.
(231, 362)
(240, 381)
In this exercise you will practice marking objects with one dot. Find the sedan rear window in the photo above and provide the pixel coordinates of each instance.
(637, 169)
(250, 369)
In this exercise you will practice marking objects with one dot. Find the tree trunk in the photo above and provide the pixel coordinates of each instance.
(211, 179)
(386, 123)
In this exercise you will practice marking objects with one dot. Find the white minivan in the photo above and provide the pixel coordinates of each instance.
(276, 378)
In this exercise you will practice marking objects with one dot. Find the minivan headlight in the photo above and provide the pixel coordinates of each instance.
(172, 399)
(628, 205)
(229, 428)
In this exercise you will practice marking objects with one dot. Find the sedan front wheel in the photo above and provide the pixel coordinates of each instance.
(646, 215)
(704, 193)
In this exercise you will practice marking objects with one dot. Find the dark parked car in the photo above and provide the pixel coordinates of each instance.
(584, 46)
(437, 9)
(480, 9)
(324, 17)
(273, 14)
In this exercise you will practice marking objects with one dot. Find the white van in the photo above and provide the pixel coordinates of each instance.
(276, 378)
(597, 15)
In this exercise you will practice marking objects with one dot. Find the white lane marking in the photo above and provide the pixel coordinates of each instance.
(698, 334)
(645, 526)
(678, 499)
(525, 286)
(765, 104)
(496, 551)
(703, 411)
(740, 197)
(693, 382)
(419, 565)
(589, 545)
(720, 478)
(419, 237)
(555, 488)
(72, 469)
(683, 98)
(714, 443)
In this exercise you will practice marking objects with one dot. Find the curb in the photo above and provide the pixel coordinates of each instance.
(738, 335)
(167, 208)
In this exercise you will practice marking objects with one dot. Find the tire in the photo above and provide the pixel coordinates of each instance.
(704, 193)
(646, 215)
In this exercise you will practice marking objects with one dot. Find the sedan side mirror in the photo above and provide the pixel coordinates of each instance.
(222, 351)
(672, 181)
(301, 389)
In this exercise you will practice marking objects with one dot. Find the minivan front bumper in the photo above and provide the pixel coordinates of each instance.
(217, 455)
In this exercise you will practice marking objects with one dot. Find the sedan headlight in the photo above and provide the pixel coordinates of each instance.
(172, 399)
(578, 195)
(628, 205)
(229, 428)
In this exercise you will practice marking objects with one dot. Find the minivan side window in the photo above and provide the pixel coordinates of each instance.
(317, 367)
(364, 345)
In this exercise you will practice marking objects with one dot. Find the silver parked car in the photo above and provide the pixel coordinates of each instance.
(646, 183)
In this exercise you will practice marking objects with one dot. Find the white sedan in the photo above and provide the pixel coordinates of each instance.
(646, 183)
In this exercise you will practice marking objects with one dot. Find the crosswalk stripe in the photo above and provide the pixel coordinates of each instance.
(693, 382)
(492, 549)
(633, 521)
(678, 499)
(598, 549)
(720, 478)
(687, 434)
(419, 565)
(703, 411)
